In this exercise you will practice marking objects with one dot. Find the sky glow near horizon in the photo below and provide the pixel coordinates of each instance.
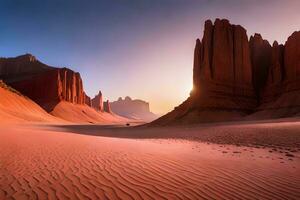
(137, 48)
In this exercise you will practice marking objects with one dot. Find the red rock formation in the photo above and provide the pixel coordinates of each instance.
(292, 60)
(261, 52)
(222, 61)
(106, 107)
(21, 67)
(231, 74)
(43, 84)
(97, 102)
(273, 86)
(282, 92)
(87, 100)
(72, 89)
(284, 73)
(222, 76)
(276, 71)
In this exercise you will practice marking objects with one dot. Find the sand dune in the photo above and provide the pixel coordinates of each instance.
(49, 164)
(84, 114)
(16, 108)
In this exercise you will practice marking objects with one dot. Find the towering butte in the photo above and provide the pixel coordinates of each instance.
(235, 78)
(46, 85)
(97, 102)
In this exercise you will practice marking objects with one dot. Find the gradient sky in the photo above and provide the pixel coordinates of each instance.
(139, 48)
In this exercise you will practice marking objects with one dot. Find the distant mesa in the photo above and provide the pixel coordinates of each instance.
(133, 109)
(239, 79)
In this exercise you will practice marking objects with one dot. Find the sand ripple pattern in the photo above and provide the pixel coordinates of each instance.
(50, 165)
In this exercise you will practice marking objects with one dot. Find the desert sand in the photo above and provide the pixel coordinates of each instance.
(16, 108)
(220, 161)
(84, 114)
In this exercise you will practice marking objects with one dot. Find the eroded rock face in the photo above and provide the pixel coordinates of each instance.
(43, 84)
(97, 102)
(261, 53)
(292, 58)
(87, 100)
(20, 67)
(222, 77)
(106, 106)
(237, 79)
(222, 68)
(275, 76)
(282, 91)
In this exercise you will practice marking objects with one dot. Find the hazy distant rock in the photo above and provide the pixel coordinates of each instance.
(97, 102)
(133, 109)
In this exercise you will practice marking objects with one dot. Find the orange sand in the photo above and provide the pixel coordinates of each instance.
(84, 114)
(49, 163)
(15, 108)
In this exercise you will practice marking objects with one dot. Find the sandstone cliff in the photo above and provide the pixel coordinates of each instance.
(222, 78)
(97, 102)
(261, 52)
(281, 94)
(43, 84)
(87, 100)
(237, 79)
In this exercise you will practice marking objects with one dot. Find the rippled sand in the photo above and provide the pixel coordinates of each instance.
(36, 163)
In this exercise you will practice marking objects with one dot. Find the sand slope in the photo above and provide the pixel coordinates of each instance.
(84, 114)
(16, 108)
(40, 164)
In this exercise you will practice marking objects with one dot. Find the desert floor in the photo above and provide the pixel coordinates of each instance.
(217, 161)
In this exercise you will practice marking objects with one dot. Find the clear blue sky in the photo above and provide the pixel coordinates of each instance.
(139, 48)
